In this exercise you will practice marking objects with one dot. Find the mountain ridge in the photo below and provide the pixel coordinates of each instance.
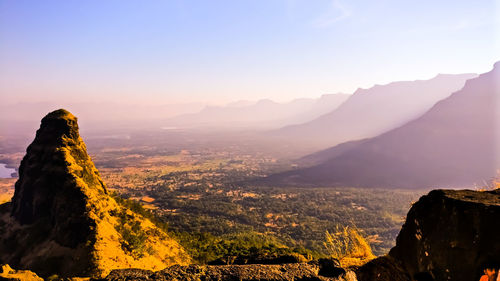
(452, 144)
(261, 114)
(370, 112)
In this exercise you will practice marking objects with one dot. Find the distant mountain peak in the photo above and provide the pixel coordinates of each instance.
(266, 101)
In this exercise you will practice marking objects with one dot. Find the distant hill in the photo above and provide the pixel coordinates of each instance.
(451, 145)
(370, 112)
(62, 219)
(262, 114)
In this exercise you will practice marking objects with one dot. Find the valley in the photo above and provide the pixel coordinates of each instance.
(201, 187)
(249, 140)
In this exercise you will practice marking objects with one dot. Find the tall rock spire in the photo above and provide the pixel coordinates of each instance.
(61, 219)
(54, 176)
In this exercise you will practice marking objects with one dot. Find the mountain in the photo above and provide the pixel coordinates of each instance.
(262, 114)
(428, 249)
(324, 155)
(62, 219)
(453, 144)
(324, 104)
(370, 112)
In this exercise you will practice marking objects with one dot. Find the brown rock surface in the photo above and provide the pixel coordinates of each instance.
(382, 269)
(448, 235)
(275, 272)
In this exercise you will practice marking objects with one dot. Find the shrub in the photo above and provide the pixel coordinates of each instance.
(348, 246)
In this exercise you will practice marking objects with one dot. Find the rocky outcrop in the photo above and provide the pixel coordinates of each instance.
(277, 272)
(61, 219)
(382, 269)
(448, 235)
(7, 273)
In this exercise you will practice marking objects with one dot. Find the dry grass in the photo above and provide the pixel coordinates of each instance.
(348, 246)
(6, 189)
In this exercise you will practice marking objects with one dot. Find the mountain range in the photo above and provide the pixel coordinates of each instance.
(451, 145)
(262, 114)
(370, 112)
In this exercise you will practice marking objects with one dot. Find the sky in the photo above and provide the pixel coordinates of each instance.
(182, 51)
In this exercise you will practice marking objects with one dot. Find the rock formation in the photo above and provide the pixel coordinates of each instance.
(448, 235)
(7, 273)
(61, 219)
(275, 272)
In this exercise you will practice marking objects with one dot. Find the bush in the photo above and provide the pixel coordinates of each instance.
(348, 246)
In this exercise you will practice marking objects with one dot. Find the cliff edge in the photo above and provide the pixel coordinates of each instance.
(448, 235)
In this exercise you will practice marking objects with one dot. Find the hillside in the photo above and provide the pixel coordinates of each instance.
(62, 219)
(453, 144)
(370, 112)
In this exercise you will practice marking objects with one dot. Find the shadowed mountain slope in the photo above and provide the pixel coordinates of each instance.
(370, 112)
(63, 221)
(453, 144)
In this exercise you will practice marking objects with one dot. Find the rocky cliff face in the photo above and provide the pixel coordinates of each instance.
(448, 235)
(61, 219)
(56, 177)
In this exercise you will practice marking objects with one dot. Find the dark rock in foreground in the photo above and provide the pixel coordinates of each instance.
(382, 269)
(448, 235)
(275, 272)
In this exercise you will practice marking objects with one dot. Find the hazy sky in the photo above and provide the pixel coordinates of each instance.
(171, 51)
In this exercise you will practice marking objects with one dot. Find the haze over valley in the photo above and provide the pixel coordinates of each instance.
(249, 140)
